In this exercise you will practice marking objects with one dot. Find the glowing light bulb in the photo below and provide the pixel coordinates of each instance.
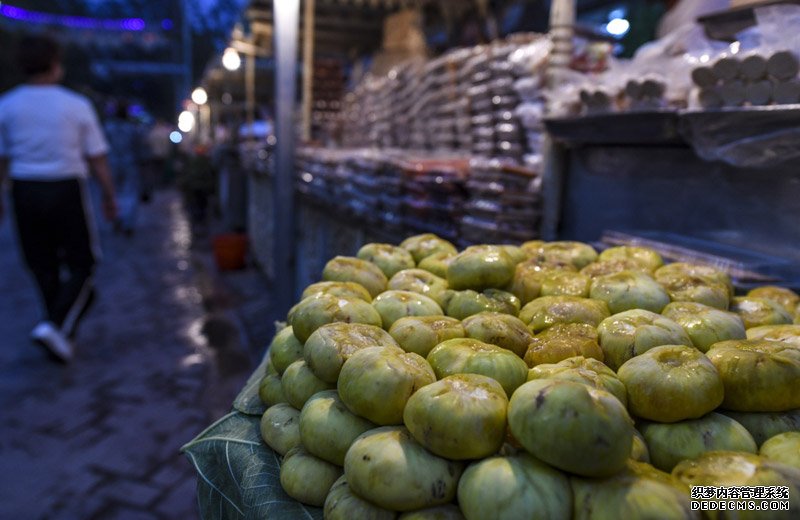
(186, 121)
(231, 59)
(199, 96)
(618, 26)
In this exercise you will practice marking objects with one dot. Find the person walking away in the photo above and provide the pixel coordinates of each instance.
(123, 138)
(198, 184)
(159, 148)
(50, 140)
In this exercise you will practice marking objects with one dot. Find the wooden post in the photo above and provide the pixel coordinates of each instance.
(308, 67)
(250, 90)
(562, 21)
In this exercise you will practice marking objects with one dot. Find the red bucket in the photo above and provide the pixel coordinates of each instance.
(230, 251)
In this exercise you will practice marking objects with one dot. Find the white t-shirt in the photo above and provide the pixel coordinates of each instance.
(47, 131)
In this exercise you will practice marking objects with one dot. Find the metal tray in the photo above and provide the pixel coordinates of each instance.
(646, 127)
(746, 266)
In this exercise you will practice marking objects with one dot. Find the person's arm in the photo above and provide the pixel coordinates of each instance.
(101, 172)
(95, 150)
(3, 176)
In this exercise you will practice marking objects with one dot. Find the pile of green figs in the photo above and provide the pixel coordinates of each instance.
(544, 380)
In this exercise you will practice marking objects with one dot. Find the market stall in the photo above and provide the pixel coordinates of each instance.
(663, 185)
(489, 102)
(441, 360)
(707, 161)
(440, 145)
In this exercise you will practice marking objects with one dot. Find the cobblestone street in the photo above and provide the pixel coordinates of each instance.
(160, 356)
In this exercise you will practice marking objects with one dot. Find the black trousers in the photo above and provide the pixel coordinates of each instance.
(58, 240)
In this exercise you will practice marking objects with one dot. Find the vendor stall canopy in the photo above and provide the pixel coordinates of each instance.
(347, 29)
(341, 26)
(351, 27)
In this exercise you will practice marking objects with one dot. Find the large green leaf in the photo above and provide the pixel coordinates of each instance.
(248, 401)
(238, 475)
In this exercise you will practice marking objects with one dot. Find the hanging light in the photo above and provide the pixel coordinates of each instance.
(186, 121)
(618, 27)
(200, 96)
(231, 59)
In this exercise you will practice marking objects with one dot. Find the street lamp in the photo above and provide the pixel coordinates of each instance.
(231, 59)
(200, 96)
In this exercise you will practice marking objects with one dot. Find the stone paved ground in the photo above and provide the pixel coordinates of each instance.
(159, 358)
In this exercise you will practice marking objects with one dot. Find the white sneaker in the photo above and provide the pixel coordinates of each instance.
(48, 335)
